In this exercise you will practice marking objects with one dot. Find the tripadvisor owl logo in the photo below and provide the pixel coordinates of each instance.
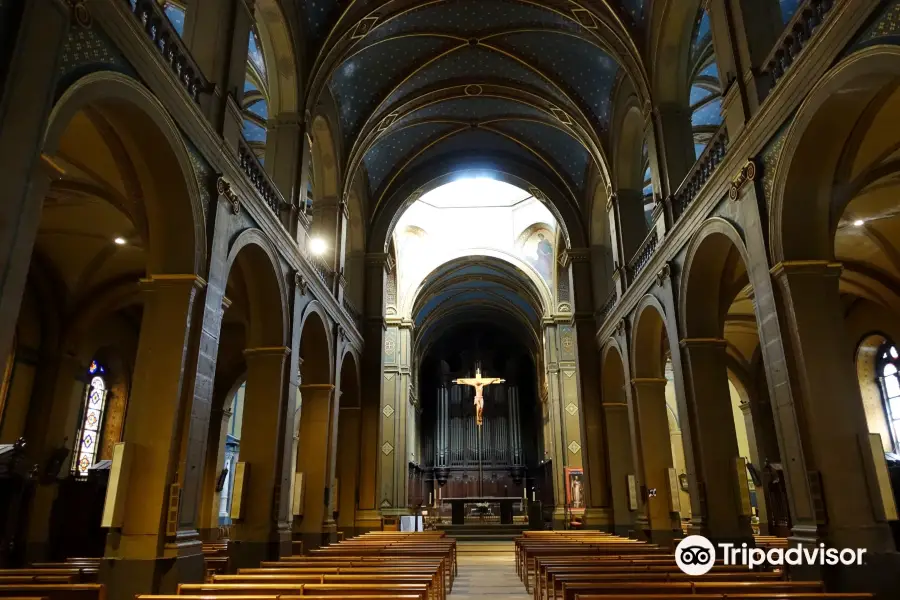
(695, 555)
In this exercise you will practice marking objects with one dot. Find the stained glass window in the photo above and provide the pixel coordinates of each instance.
(888, 369)
(88, 439)
(705, 90)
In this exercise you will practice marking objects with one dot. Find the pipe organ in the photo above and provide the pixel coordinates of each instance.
(453, 444)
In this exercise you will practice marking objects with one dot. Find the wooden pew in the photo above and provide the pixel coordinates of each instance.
(75, 574)
(217, 590)
(51, 591)
(430, 580)
(572, 590)
(433, 571)
(778, 596)
(556, 582)
(20, 579)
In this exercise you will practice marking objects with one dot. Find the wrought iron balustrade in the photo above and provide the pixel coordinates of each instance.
(703, 169)
(322, 270)
(169, 44)
(643, 255)
(799, 30)
(259, 178)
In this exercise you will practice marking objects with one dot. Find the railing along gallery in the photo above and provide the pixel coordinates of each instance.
(160, 31)
(797, 33)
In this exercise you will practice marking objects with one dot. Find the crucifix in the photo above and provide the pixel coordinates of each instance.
(478, 382)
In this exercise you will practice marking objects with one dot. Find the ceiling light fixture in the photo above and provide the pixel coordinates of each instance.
(858, 223)
(317, 246)
(120, 241)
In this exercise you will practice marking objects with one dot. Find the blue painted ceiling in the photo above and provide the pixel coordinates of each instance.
(480, 288)
(390, 63)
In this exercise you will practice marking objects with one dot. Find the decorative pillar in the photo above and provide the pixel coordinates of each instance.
(442, 436)
(395, 409)
(835, 430)
(314, 461)
(146, 554)
(33, 65)
(655, 458)
(216, 456)
(715, 499)
(216, 33)
(256, 535)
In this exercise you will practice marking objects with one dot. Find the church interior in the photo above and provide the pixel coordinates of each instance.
(448, 298)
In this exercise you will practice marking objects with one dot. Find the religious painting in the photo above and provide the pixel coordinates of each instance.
(536, 248)
(575, 488)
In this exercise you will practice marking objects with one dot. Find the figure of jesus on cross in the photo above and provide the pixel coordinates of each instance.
(478, 382)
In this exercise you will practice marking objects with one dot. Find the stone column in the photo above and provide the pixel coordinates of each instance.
(314, 461)
(216, 33)
(835, 429)
(394, 463)
(621, 465)
(256, 535)
(369, 514)
(326, 224)
(744, 32)
(716, 503)
(24, 108)
(676, 142)
(655, 453)
(56, 401)
(348, 470)
(143, 555)
(210, 506)
(594, 455)
(284, 151)
(749, 425)
(632, 222)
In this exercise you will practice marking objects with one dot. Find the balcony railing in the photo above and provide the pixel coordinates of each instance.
(160, 31)
(259, 178)
(799, 30)
(322, 270)
(643, 255)
(354, 312)
(608, 306)
(701, 172)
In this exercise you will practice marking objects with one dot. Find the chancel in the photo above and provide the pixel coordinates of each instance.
(561, 283)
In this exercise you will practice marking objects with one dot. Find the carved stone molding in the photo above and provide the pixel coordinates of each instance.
(300, 283)
(80, 13)
(611, 201)
(746, 175)
(223, 188)
(579, 255)
(620, 328)
(663, 275)
(377, 259)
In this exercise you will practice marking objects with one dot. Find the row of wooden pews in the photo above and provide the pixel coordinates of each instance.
(386, 565)
(586, 565)
(74, 579)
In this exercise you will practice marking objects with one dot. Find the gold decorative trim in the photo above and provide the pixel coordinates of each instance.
(746, 175)
(223, 188)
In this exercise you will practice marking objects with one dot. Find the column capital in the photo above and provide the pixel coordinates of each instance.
(579, 255)
(703, 343)
(807, 267)
(649, 381)
(608, 406)
(316, 387)
(376, 259)
(280, 351)
(161, 282)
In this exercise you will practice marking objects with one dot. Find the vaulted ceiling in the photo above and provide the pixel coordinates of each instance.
(419, 83)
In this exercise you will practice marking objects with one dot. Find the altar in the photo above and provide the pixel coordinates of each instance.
(486, 509)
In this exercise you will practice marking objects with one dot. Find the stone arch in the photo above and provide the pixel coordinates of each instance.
(617, 418)
(803, 226)
(709, 255)
(647, 346)
(349, 447)
(284, 65)
(259, 265)
(866, 359)
(316, 346)
(423, 180)
(175, 213)
(672, 26)
(326, 158)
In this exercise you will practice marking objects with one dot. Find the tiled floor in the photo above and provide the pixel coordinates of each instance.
(487, 571)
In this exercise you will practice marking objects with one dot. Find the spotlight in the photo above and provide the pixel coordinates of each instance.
(120, 241)
(858, 223)
(317, 246)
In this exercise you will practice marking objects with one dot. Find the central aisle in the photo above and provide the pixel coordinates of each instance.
(487, 570)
